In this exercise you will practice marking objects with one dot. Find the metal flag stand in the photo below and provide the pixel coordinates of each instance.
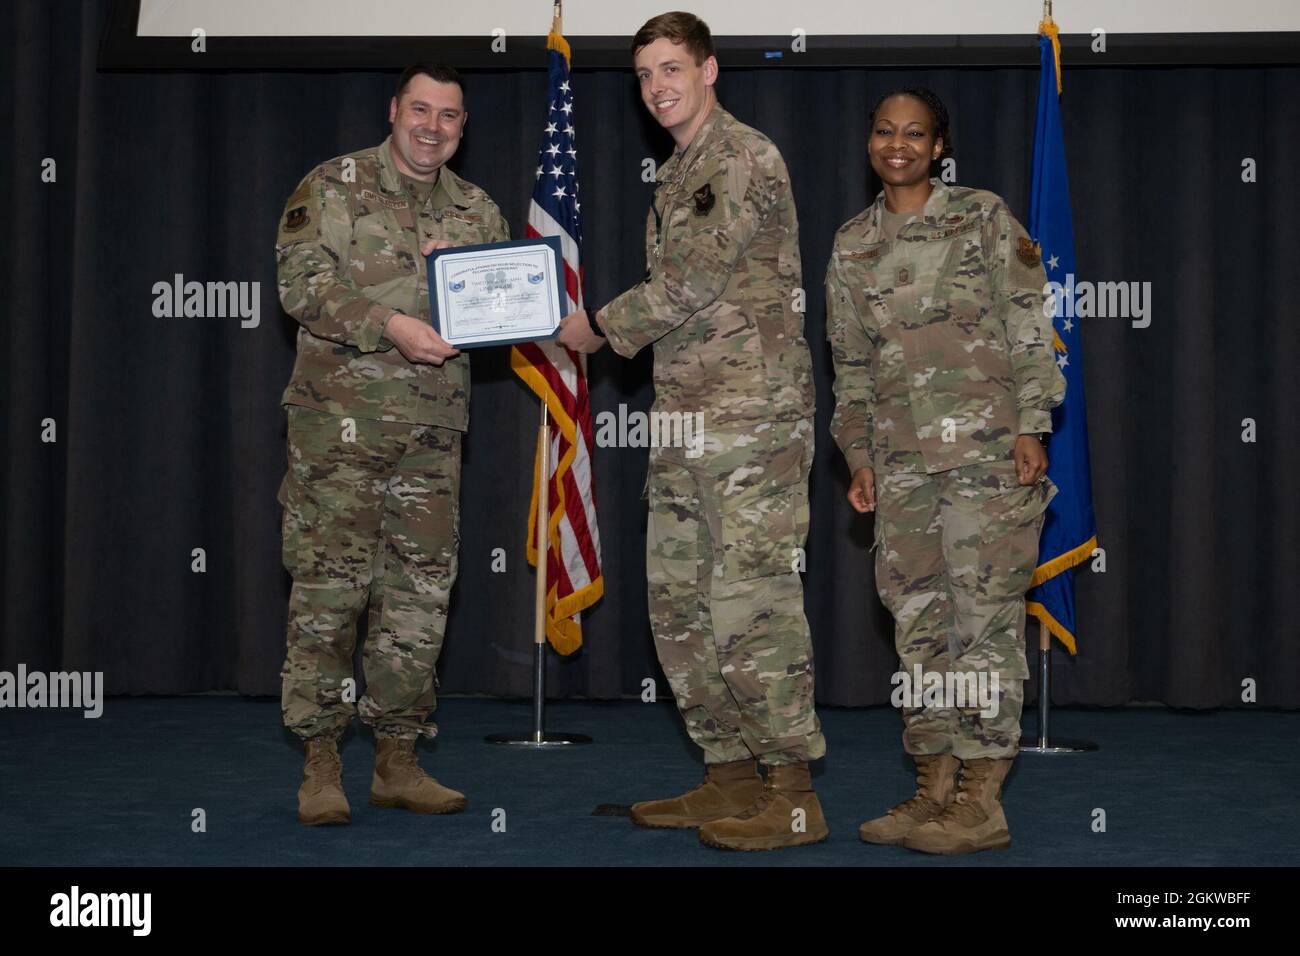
(1042, 744)
(539, 738)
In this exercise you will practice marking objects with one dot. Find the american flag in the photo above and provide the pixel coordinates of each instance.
(559, 378)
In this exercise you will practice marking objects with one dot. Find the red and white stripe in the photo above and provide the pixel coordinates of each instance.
(573, 566)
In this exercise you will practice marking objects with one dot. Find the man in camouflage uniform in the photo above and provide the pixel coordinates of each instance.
(377, 405)
(943, 362)
(729, 515)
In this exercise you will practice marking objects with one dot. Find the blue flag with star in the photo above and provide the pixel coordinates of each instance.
(1070, 531)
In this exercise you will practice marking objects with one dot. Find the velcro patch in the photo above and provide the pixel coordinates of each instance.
(372, 196)
(862, 253)
(949, 232)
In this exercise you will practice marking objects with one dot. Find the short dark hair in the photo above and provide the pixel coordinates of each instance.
(938, 112)
(439, 72)
(678, 27)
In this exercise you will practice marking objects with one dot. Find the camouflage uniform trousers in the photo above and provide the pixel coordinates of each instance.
(726, 603)
(373, 521)
(954, 554)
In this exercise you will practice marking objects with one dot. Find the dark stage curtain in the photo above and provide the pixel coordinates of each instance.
(170, 435)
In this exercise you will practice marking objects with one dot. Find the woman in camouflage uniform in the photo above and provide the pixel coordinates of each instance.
(945, 382)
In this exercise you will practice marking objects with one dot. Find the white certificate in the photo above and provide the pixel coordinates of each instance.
(496, 293)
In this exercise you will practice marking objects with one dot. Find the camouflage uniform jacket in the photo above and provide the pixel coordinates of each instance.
(349, 258)
(722, 256)
(942, 352)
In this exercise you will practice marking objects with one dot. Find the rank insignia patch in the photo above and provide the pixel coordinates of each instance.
(296, 219)
(704, 199)
(1029, 252)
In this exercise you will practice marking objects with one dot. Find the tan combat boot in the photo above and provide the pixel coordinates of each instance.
(974, 820)
(320, 798)
(727, 788)
(773, 821)
(399, 781)
(936, 782)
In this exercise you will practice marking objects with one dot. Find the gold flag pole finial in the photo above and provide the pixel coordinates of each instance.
(1049, 28)
(556, 39)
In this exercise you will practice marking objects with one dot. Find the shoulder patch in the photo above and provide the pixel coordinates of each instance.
(1028, 251)
(296, 218)
(704, 199)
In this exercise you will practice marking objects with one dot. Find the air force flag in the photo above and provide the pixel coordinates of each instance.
(1070, 531)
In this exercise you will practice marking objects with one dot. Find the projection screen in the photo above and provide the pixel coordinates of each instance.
(345, 34)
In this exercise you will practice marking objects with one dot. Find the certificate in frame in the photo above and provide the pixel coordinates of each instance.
(497, 293)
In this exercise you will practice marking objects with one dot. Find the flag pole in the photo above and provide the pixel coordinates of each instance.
(1043, 744)
(539, 738)
(1044, 657)
(543, 560)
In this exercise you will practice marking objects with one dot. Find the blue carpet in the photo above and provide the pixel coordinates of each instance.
(1177, 788)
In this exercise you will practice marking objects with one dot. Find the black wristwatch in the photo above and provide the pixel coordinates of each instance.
(1043, 437)
(595, 326)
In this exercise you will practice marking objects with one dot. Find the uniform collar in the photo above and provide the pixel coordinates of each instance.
(932, 213)
(717, 119)
(936, 207)
(448, 187)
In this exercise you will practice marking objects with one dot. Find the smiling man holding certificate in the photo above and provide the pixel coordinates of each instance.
(377, 405)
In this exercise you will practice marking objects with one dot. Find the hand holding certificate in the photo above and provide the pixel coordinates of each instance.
(498, 293)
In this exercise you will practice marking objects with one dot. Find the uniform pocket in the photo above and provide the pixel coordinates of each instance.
(1010, 522)
(878, 531)
(378, 253)
(761, 535)
(763, 507)
(880, 562)
(296, 529)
